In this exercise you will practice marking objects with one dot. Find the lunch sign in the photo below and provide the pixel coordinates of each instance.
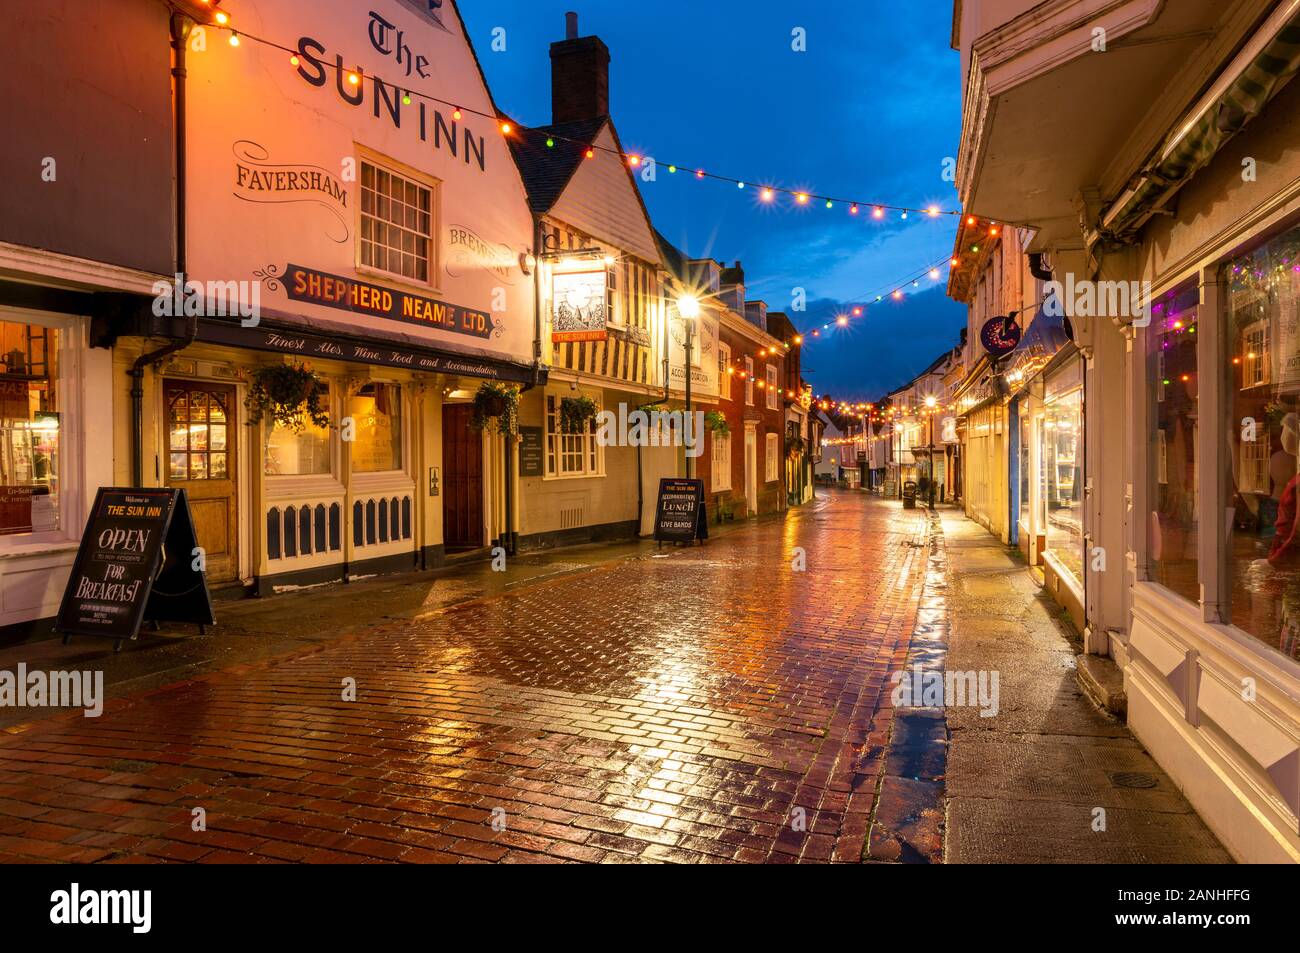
(681, 516)
(137, 560)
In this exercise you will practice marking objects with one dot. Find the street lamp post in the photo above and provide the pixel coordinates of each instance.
(688, 306)
(930, 403)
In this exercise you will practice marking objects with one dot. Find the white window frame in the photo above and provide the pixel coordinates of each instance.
(553, 447)
(773, 392)
(420, 179)
(71, 333)
(721, 463)
(772, 470)
(749, 382)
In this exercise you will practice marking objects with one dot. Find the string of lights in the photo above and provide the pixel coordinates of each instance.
(877, 211)
(767, 193)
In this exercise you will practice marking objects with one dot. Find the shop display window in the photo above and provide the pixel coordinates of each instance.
(1262, 368)
(376, 412)
(29, 429)
(302, 450)
(1062, 475)
(1174, 387)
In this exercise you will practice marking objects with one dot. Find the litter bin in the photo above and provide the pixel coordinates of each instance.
(909, 495)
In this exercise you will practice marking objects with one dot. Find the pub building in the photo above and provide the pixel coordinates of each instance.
(1182, 404)
(84, 235)
(349, 239)
(611, 334)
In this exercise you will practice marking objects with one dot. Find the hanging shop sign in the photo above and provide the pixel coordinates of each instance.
(377, 352)
(579, 306)
(348, 294)
(681, 515)
(1000, 335)
(138, 560)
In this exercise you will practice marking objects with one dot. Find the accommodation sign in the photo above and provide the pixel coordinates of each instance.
(362, 297)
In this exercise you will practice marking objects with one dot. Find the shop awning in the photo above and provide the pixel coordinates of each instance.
(1248, 84)
(320, 339)
(1045, 338)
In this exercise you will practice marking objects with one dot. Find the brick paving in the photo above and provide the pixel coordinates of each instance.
(704, 705)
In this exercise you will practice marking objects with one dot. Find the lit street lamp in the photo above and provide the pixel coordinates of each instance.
(688, 306)
(930, 404)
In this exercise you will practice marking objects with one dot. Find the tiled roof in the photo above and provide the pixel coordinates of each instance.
(546, 170)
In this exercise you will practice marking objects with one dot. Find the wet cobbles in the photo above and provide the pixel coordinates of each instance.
(709, 704)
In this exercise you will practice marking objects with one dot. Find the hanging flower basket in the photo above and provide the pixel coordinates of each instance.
(575, 412)
(716, 422)
(289, 394)
(795, 446)
(496, 408)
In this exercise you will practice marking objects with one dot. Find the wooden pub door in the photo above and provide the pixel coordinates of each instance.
(201, 421)
(462, 479)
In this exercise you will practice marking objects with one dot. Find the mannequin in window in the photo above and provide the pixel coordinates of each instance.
(1285, 550)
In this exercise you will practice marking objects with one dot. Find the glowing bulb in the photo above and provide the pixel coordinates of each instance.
(954, 262)
(798, 339)
(877, 212)
(354, 79)
(293, 60)
(406, 99)
(853, 210)
(699, 173)
(455, 114)
(234, 39)
(801, 198)
(933, 210)
(740, 185)
(934, 274)
(591, 153)
(506, 128)
(857, 312)
(550, 143)
(222, 17)
(898, 296)
(842, 320)
(970, 220)
(767, 195)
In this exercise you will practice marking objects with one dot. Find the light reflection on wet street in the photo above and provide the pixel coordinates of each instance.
(671, 708)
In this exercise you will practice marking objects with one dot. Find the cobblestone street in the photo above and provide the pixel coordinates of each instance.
(675, 706)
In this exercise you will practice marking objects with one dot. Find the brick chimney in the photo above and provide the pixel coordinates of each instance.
(579, 76)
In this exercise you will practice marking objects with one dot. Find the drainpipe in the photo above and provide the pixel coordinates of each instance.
(179, 35)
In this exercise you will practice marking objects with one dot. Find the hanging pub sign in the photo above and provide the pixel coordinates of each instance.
(579, 306)
(1000, 335)
(681, 516)
(136, 561)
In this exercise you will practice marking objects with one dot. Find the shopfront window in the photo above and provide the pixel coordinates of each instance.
(1174, 385)
(376, 412)
(29, 429)
(1026, 469)
(1263, 398)
(300, 450)
(1062, 460)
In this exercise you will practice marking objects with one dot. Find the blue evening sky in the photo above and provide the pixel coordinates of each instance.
(869, 112)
